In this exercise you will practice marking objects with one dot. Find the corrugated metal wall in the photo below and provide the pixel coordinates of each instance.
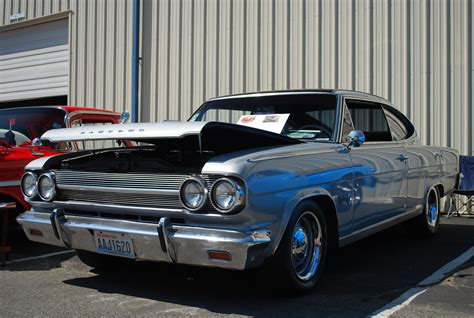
(416, 53)
(100, 50)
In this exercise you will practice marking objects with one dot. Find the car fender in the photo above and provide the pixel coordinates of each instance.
(298, 197)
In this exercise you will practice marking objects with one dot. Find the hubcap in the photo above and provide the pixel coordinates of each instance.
(300, 243)
(306, 246)
(432, 208)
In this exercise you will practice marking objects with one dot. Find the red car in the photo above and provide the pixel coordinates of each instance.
(20, 126)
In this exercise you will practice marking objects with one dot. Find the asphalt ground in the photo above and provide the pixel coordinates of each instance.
(360, 279)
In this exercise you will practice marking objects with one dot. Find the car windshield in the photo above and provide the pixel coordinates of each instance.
(300, 116)
(18, 127)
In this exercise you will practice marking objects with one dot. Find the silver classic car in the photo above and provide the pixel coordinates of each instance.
(274, 178)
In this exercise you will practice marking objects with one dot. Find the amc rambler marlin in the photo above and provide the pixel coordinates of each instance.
(275, 177)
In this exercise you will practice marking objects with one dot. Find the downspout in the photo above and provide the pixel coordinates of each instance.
(135, 58)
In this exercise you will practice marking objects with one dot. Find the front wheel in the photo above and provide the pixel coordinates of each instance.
(299, 261)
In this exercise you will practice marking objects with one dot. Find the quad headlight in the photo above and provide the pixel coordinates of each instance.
(46, 186)
(28, 185)
(227, 195)
(193, 193)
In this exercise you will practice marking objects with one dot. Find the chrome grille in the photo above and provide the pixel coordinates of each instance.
(119, 183)
(146, 200)
(120, 180)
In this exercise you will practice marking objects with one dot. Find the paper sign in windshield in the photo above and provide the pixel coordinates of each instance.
(271, 122)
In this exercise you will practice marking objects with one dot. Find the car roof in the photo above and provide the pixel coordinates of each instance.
(342, 92)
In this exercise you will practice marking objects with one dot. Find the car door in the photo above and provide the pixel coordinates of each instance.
(379, 167)
(404, 132)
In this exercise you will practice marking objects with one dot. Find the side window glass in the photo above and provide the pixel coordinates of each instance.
(370, 118)
(398, 129)
(347, 125)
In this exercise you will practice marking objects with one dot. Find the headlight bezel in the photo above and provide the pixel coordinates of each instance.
(239, 190)
(35, 193)
(202, 183)
(51, 177)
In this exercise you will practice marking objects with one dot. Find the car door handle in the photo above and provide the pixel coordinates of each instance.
(402, 157)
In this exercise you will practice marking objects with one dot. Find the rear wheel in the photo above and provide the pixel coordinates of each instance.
(103, 262)
(299, 261)
(426, 224)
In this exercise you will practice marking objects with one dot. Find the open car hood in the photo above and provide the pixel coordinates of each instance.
(133, 131)
(150, 132)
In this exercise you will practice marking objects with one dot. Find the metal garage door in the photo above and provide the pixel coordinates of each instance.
(34, 61)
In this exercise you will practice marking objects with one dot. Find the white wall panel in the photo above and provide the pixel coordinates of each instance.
(34, 61)
(100, 51)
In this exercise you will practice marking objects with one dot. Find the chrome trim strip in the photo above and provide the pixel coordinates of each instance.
(7, 205)
(68, 116)
(336, 134)
(12, 183)
(118, 190)
(291, 155)
(275, 93)
(371, 229)
(118, 209)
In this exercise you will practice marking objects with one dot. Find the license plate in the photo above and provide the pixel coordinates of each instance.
(116, 244)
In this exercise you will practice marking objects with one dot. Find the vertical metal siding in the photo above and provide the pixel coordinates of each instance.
(101, 54)
(418, 54)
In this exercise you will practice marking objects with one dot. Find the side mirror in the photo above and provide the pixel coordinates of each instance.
(356, 138)
(37, 142)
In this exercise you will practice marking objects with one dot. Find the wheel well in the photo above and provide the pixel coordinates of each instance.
(440, 189)
(7, 198)
(327, 205)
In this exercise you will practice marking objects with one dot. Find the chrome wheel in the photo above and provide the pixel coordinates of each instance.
(306, 246)
(432, 208)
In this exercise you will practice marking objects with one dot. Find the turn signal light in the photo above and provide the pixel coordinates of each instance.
(220, 255)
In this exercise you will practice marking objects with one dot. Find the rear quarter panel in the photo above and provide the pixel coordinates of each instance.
(449, 168)
(429, 166)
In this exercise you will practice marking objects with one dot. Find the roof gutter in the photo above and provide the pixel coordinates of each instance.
(135, 58)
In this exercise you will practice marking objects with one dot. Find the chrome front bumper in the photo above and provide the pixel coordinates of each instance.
(164, 241)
